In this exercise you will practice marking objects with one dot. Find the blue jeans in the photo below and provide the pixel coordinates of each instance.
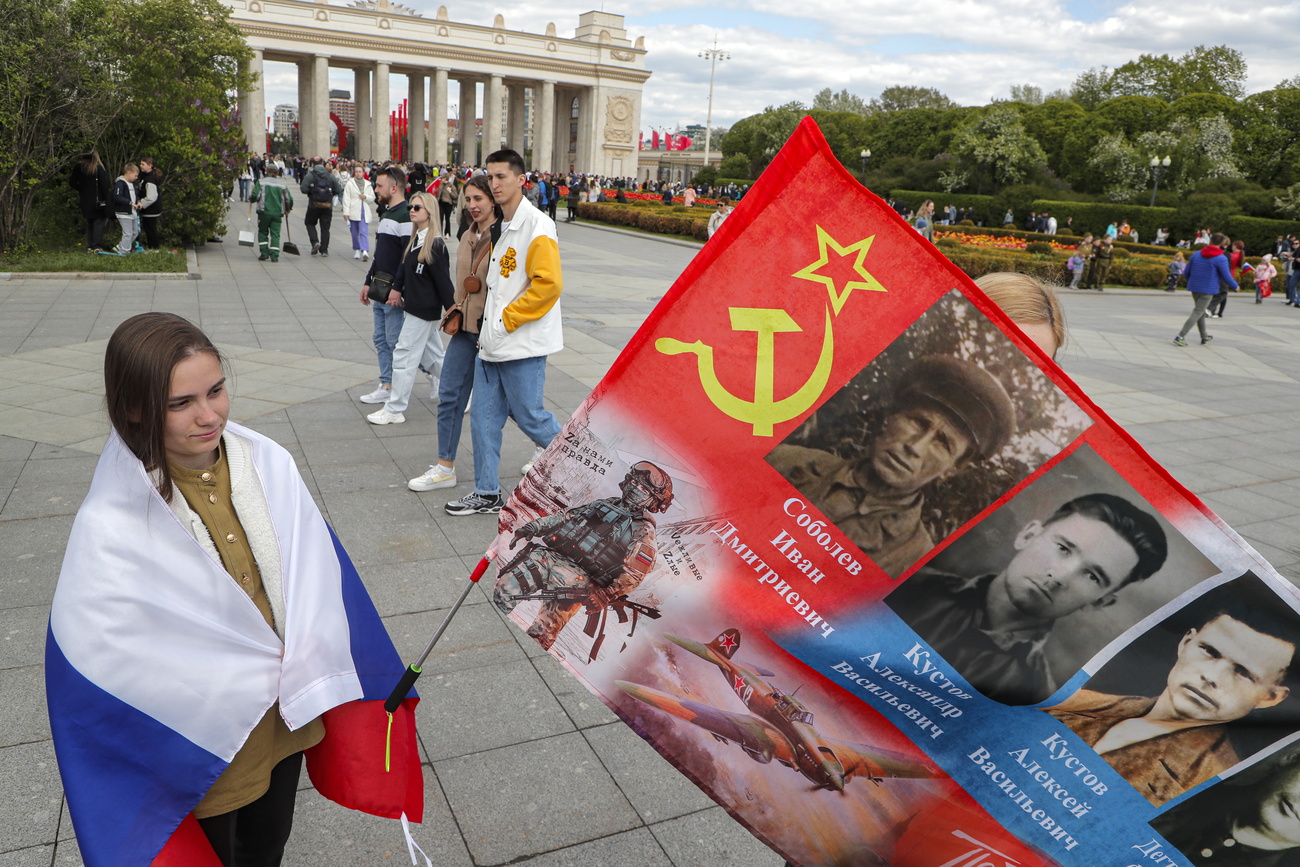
(1291, 281)
(388, 327)
(504, 389)
(455, 387)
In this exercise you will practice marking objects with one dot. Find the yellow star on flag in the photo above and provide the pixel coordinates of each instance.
(825, 246)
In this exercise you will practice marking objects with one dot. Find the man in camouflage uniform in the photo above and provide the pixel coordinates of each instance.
(589, 556)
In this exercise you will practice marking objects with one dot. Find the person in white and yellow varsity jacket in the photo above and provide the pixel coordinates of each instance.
(521, 326)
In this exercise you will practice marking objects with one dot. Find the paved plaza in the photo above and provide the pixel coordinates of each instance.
(522, 764)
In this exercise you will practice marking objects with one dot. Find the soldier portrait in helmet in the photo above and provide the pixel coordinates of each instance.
(587, 558)
(949, 417)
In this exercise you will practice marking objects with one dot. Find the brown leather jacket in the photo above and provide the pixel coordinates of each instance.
(1161, 768)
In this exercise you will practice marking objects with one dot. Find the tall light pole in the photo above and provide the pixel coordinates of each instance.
(865, 155)
(1158, 168)
(713, 55)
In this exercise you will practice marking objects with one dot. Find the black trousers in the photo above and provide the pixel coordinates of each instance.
(94, 233)
(255, 834)
(551, 207)
(324, 216)
(149, 225)
(445, 209)
(1220, 301)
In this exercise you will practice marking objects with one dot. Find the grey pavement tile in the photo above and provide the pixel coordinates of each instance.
(656, 789)
(637, 846)
(408, 540)
(35, 856)
(423, 585)
(42, 501)
(457, 715)
(23, 718)
(22, 635)
(475, 638)
(14, 449)
(711, 838)
(1246, 505)
(30, 795)
(360, 475)
(532, 798)
(583, 707)
(469, 535)
(327, 835)
(1279, 535)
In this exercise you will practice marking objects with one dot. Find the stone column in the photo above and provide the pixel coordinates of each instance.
(438, 117)
(467, 128)
(320, 105)
(415, 116)
(492, 116)
(515, 120)
(381, 145)
(306, 93)
(544, 127)
(362, 134)
(252, 107)
(587, 145)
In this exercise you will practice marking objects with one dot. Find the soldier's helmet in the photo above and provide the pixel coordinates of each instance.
(652, 480)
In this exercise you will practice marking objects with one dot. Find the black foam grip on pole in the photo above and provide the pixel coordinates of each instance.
(403, 687)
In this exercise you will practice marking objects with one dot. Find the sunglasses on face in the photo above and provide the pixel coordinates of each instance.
(417, 207)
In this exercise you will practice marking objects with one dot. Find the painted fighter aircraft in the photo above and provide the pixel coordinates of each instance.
(778, 726)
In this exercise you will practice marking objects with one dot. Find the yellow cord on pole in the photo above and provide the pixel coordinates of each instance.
(388, 746)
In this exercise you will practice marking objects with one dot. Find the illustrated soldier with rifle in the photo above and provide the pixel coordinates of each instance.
(588, 557)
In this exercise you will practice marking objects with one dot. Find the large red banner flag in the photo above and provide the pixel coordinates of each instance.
(852, 553)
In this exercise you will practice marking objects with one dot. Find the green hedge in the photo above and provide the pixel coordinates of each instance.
(1096, 216)
(1147, 249)
(660, 220)
(1258, 233)
(983, 205)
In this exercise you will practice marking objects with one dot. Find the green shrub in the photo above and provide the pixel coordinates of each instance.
(1126, 273)
(1259, 233)
(735, 166)
(661, 220)
(1039, 248)
(983, 205)
(1122, 253)
(946, 242)
(968, 223)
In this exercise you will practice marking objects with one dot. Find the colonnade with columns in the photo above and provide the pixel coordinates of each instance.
(553, 119)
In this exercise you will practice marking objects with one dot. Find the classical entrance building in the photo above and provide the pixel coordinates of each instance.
(583, 93)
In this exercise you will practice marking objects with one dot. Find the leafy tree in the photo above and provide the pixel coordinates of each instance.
(1288, 204)
(1029, 94)
(1200, 105)
(825, 100)
(1203, 210)
(58, 92)
(1118, 168)
(183, 68)
(1197, 150)
(734, 166)
(760, 136)
(1219, 69)
(1292, 83)
(1267, 136)
(997, 138)
(917, 132)
(1133, 115)
(1049, 124)
(901, 97)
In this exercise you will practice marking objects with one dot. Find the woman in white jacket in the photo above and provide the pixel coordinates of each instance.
(358, 200)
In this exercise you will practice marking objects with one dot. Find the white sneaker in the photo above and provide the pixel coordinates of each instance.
(356, 254)
(365, 256)
(537, 453)
(383, 416)
(379, 395)
(438, 476)
(434, 385)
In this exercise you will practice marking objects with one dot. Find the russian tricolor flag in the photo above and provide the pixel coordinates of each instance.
(158, 666)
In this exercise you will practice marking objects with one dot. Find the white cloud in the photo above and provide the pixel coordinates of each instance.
(972, 50)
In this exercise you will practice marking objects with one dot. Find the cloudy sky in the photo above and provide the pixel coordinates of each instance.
(972, 50)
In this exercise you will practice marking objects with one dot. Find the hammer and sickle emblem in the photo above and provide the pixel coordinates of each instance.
(764, 412)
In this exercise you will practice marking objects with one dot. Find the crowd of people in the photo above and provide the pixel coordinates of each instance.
(134, 199)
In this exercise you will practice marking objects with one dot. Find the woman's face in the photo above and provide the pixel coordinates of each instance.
(359, 173)
(419, 213)
(479, 204)
(197, 408)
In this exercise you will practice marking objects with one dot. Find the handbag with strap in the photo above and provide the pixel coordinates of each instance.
(381, 283)
(452, 321)
(472, 282)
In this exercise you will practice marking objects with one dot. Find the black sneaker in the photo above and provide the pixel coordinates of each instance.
(263, 257)
(1206, 339)
(315, 249)
(475, 504)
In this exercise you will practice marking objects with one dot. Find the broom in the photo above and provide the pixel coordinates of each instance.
(288, 246)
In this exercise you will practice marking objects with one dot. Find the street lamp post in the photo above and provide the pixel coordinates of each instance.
(713, 55)
(866, 157)
(1158, 168)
